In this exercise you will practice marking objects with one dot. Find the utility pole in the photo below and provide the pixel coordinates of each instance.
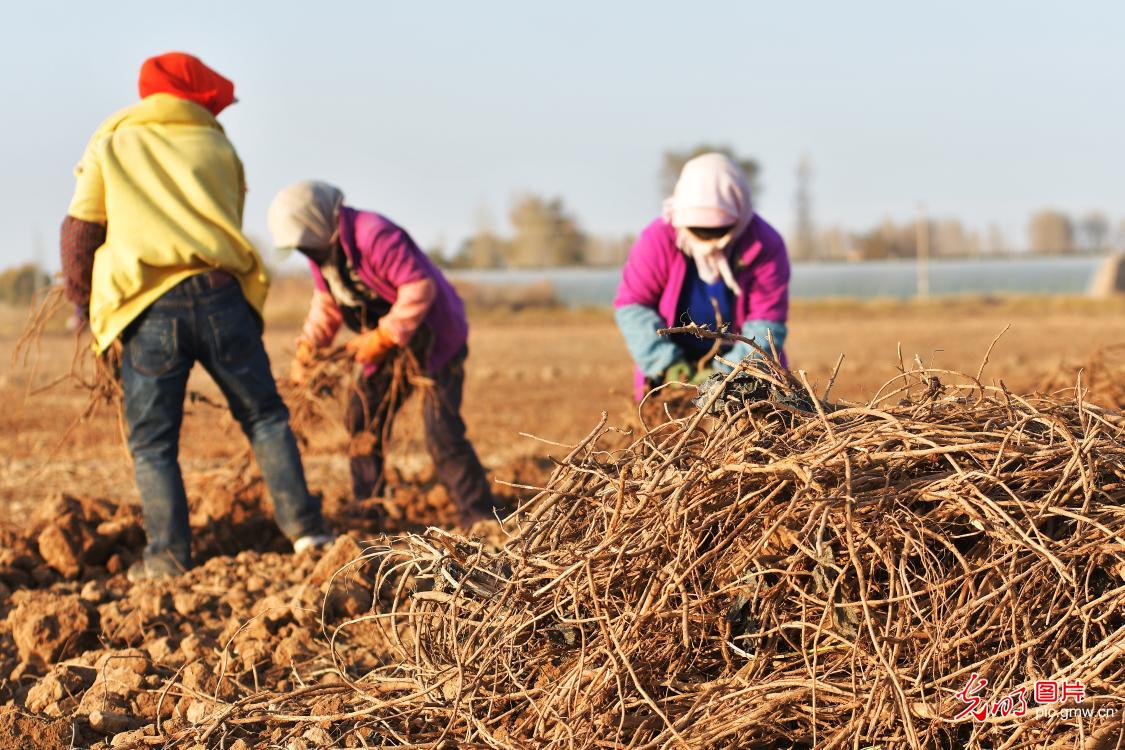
(39, 251)
(805, 241)
(922, 262)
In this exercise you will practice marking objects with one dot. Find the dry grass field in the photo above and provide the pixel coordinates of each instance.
(545, 372)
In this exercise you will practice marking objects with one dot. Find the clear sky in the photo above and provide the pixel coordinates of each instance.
(433, 113)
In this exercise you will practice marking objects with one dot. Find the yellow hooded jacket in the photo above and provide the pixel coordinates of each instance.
(168, 185)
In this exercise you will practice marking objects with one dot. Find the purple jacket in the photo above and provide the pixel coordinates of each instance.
(655, 271)
(385, 257)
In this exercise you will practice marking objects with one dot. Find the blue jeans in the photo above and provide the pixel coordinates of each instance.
(198, 321)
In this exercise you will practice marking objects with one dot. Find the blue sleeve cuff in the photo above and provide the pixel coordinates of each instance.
(652, 353)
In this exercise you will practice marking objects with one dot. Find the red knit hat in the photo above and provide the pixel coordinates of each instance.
(187, 77)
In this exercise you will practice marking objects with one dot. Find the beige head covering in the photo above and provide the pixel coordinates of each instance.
(306, 214)
(712, 192)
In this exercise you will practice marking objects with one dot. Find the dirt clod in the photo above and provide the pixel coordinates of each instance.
(58, 692)
(48, 627)
(109, 722)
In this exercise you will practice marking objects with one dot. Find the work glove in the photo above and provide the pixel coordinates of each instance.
(298, 368)
(678, 372)
(371, 347)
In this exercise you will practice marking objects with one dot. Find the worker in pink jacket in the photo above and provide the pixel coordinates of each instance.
(708, 260)
(371, 277)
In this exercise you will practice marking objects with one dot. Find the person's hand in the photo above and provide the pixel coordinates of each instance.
(78, 320)
(701, 375)
(305, 352)
(302, 358)
(298, 373)
(371, 347)
(678, 372)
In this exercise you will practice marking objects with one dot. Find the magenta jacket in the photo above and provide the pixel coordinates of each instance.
(654, 277)
(385, 258)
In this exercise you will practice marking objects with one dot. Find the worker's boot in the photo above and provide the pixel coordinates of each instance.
(158, 567)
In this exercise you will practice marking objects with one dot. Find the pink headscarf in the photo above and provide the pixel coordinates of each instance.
(712, 192)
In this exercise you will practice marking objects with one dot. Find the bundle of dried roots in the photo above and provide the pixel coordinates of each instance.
(97, 374)
(319, 398)
(331, 379)
(769, 571)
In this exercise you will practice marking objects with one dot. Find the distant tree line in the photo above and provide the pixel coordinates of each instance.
(545, 234)
(1049, 231)
(18, 285)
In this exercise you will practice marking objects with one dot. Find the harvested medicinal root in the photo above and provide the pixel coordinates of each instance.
(331, 378)
(769, 571)
(319, 398)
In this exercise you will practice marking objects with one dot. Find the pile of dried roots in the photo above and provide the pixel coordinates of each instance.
(770, 571)
(1100, 377)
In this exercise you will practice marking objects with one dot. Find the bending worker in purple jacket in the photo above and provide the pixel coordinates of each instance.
(371, 276)
(708, 260)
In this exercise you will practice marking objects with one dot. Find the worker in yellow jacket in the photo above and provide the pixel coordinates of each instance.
(152, 248)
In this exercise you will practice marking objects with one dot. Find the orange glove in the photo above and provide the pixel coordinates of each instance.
(371, 347)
